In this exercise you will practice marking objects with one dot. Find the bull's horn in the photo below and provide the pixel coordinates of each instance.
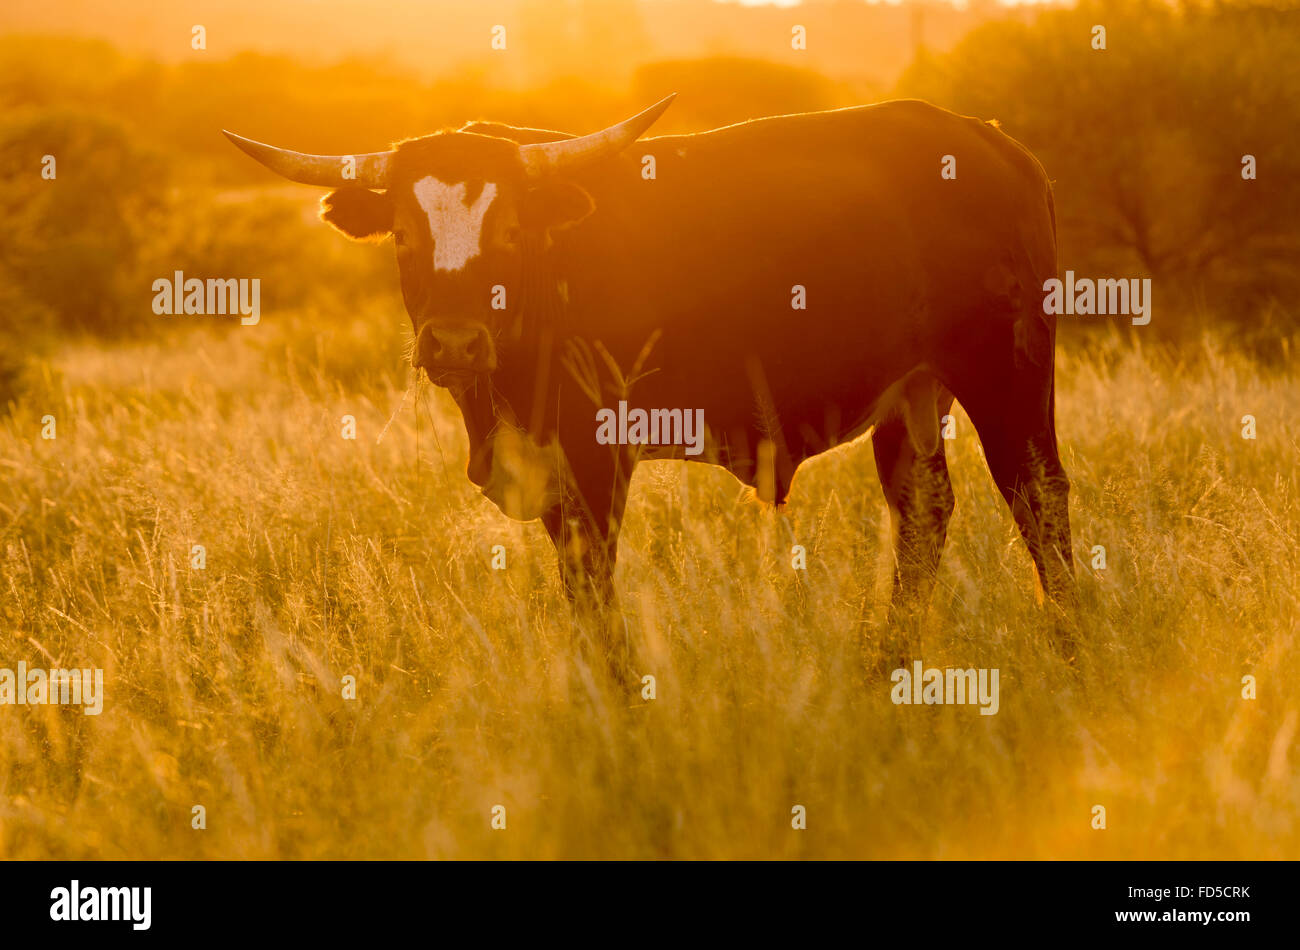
(327, 170)
(547, 157)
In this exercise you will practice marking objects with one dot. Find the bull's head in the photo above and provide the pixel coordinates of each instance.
(468, 213)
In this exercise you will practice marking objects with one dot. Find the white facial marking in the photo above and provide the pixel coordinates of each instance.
(457, 228)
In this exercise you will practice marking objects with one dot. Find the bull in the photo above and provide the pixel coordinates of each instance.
(798, 281)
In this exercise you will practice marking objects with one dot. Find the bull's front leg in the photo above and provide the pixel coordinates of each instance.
(586, 544)
(586, 559)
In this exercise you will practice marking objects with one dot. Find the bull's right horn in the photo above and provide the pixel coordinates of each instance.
(371, 168)
(568, 154)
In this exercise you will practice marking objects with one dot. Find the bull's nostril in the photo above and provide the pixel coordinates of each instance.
(455, 348)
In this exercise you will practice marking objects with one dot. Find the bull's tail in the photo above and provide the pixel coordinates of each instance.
(1035, 330)
(1034, 261)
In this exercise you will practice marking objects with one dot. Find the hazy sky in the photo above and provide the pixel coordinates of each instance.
(871, 41)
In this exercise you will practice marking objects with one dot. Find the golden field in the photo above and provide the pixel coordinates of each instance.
(371, 558)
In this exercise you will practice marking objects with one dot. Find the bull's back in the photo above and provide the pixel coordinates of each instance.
(827, 250)
(857, 185)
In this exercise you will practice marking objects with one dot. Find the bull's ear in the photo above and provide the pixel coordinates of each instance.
(358, 213)
(555, 205)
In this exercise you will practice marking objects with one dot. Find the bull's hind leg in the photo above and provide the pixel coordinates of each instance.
(1015, 420)
(914, 474)
(1029, 474)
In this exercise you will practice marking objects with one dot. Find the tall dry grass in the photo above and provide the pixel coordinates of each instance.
(371, 558)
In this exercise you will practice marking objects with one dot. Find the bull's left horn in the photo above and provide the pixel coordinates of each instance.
(371, 167)
(567, 154)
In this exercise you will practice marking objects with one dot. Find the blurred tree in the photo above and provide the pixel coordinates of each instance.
(1145, 141)
(69, 248)
(612, 37)
(725, 89)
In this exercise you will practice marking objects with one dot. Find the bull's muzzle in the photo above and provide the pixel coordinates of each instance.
(456, 350)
